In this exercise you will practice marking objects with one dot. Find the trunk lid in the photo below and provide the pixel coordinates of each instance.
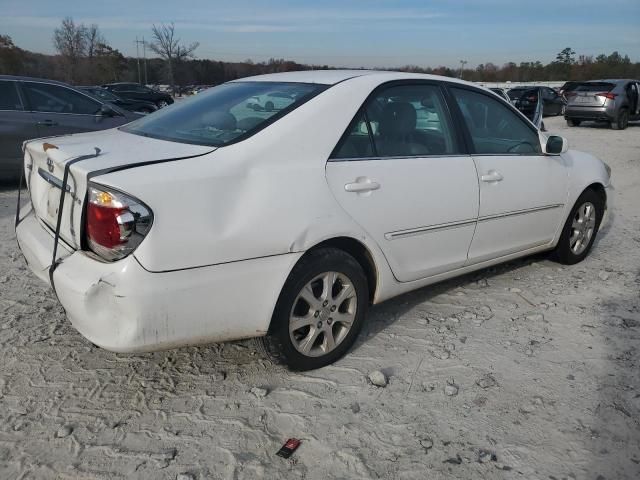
(44, 171)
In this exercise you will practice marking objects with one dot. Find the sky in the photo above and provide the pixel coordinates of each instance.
(348, 33)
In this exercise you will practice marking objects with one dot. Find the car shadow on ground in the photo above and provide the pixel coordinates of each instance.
(387, 313)
(605, 125)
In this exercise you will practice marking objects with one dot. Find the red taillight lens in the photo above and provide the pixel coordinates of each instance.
(115, 223)
(103, 226)
(608, 95)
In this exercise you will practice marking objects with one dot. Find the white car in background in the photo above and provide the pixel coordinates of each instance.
(204, 222)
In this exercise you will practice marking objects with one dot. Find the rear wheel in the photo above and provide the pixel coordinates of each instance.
(319, 313)
(622, 120)
(573, 122)
(580, 229)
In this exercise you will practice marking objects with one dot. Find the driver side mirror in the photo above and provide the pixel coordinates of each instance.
(107, 111)
(556, 145)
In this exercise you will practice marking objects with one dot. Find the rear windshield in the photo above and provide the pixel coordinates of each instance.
(224, 114)
(594, 87)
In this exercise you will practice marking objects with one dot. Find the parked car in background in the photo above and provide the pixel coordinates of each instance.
(552, 102)
(111, 98)
(34, 107)
(531, 105)
(612, 101)
(208, 222)
(271, 101)
(135, 91)
(501, 92)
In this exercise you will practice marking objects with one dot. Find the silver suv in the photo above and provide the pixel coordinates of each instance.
(613, 101)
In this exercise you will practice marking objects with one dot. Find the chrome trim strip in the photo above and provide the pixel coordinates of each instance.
(447, 226)
(56, 182)
(520, 212)
(420, 230)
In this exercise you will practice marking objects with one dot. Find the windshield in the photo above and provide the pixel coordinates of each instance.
(224, 114)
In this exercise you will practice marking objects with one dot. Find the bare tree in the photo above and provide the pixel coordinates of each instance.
(170, 48)
(70, 40)
(94, 38)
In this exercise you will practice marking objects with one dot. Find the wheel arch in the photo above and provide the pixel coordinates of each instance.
(360, 252)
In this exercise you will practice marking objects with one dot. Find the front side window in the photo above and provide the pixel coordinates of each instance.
(44, 97)
(9, 98)
(401, 121)
(222, 114)
(494, 127)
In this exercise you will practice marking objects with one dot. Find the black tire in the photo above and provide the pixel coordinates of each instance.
(269, 106)
(573, 122)
(277, 345)
(622, 120)
(563, 252)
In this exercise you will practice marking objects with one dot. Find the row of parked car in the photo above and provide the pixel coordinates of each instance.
(614, 101)
(34, 107)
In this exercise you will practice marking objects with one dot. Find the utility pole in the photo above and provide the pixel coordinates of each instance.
(138, 59)
(462, 64)
(144, 56)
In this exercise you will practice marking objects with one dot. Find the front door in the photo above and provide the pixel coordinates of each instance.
(522, 191)
(400, 172)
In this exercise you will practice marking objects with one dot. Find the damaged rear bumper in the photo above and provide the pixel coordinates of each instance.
(122, 307)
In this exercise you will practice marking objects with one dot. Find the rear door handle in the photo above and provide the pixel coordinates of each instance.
(48, 123)
(491, 176)
(362, 184)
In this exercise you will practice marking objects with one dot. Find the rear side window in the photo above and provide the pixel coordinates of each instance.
(495, 128)
(45, 97)
(9, 98)
(400, 121)
(224, 114)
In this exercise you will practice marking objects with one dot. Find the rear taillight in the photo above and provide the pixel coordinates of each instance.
(608, 95)
(115, 223)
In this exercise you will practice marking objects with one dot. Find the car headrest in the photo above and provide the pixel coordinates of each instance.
(220, 120)
(398, 118)
(427, 102)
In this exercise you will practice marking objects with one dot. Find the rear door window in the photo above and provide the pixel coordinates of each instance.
(9, 98)
(401, 121)
(48, 98)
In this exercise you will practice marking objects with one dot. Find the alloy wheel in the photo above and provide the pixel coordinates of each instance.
(323, 314)
(582, 228)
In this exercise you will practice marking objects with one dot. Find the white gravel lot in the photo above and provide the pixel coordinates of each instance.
(526, 371)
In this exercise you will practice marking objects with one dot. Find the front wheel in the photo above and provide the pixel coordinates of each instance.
(320, 311)
(572, 122)
(580, 229)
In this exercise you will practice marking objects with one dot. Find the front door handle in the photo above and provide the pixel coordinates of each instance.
(362, 184)
(48, 123)
(491, 176)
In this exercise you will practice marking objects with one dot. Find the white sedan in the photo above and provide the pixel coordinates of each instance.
(204, 222)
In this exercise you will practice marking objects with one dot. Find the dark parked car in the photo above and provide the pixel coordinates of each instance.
(33, 107)
(552, 102)
(106, 96)
(613, 101)
(135, 91)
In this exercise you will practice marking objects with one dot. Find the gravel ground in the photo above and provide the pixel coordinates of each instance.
(525, 371)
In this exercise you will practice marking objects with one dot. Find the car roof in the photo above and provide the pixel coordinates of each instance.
(33, 79)
(331, 77)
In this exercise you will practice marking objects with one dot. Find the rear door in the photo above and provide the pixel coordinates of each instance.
(522, 191)
(401, 173)
(16, 126)
(59, 110)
